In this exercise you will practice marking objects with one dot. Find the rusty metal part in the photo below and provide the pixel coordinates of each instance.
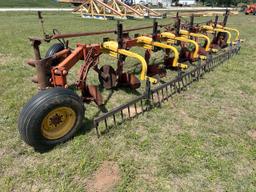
(60, 55)
(72, 35)
(220, 40)
(92, 93)
(89, 92)
(44, 68)
(91, 60)
(40, 65)
(202, 51)
(185, 55)
(107, 77)
(34, 79)
(156, 69)
(31, 62)
(147, 55)
(120, 41)
(168, 61)
(59, 72)
(129, 80)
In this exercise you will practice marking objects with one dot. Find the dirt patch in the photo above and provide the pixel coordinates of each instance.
(158, 97)
(252, 134)
(133, 111)
(105, 178)
(4, 59)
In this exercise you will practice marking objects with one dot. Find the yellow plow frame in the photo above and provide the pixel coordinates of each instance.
(111, 48)
(148, 43)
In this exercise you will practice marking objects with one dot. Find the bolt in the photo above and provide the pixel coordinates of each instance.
(65, 72)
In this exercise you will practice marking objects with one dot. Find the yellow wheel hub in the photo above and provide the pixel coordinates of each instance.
(58, 122)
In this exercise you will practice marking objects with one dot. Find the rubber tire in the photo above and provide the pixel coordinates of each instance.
(39, 106)
(55, 48)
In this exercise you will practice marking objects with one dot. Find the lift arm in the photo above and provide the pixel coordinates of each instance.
(237, 37)
(211, 29)
(199, 35)
(149, 41)
(111, 47)
(183, 39)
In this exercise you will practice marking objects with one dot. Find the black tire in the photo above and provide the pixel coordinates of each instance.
(55, 48)
(40, 106)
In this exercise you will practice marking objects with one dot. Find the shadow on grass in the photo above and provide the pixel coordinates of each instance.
(86, 127)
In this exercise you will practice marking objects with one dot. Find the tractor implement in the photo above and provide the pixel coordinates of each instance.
(176, 36)
(213, 30)
(56, 113)
(170, 37)
(154, 97)
(111, 48)
(222, 34)
(237, 36)
(192, 32)
(148, 43)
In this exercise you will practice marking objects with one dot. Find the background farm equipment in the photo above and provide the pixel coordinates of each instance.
(251, 9)
(112, 9)
(56, 112)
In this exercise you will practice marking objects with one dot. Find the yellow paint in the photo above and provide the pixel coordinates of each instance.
(111, 47)
(51, 129)
(149, 41)
(211, 29)
(199, 35)
(237, 37)
(172, 37)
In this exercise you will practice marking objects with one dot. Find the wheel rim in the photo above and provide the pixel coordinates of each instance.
(58, 122)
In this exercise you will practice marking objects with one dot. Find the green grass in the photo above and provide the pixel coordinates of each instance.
(198, 141)
(30, 3)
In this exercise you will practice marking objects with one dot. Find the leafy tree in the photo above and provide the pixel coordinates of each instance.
(175, 1)
(226, 2)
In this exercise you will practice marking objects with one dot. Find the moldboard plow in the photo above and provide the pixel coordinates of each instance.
(56, 113)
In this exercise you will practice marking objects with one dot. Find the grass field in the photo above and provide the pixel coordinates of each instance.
(204, 139)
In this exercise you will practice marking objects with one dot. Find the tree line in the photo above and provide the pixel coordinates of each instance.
(222, 2)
